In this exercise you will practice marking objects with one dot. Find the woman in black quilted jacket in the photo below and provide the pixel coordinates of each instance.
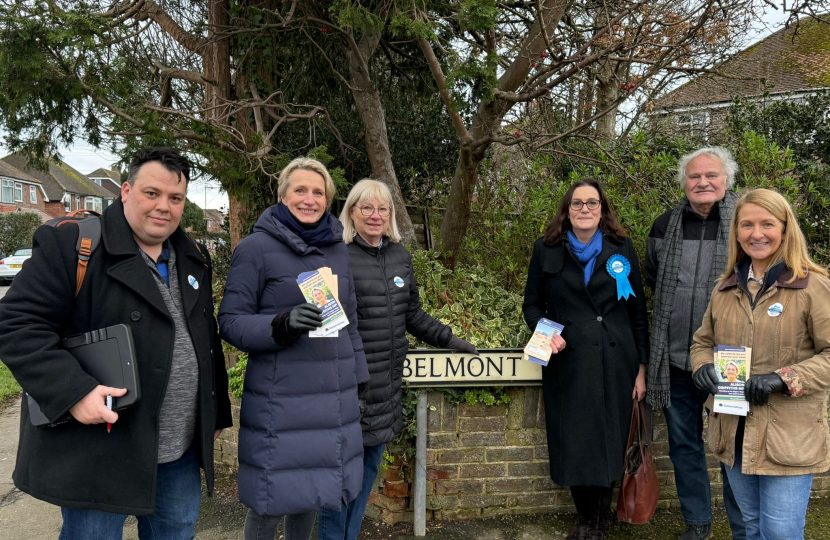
(388, 306)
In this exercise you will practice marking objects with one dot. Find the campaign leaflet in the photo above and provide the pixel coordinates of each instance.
(538, 349)
(317, 290)
(732, 367)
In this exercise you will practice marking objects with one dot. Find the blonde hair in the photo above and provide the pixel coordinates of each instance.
(793, 248)
(306, 164)
(365, 190)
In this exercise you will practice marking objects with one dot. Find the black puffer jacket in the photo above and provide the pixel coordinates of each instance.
(388, 306)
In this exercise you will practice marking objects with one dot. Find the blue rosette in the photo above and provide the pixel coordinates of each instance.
(619, 268)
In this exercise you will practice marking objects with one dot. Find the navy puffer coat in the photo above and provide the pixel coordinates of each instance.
(388, 305)
(300, 443)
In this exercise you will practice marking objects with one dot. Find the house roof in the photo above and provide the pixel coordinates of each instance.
(778, 64)
(9, 171)
(115, 176)
(59, 179)
(215, 215)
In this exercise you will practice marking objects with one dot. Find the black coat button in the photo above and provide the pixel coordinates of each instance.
(572, 348)
(135, 316)
(613, 344)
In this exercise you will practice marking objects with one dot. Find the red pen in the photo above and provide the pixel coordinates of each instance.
(109, 407)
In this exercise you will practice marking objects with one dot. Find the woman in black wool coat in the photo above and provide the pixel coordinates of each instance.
(584, 275)
(388, 306)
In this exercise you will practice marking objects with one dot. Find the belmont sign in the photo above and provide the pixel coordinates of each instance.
(503, 367)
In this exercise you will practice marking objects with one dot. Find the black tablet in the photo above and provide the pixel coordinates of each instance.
(108, 355)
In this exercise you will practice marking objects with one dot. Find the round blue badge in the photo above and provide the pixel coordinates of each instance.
(775, 310)
(619, 268)
(398, 281)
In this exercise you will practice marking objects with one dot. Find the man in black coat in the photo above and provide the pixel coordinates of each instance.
(149, 275)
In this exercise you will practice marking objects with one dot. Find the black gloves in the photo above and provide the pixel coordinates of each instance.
(706, 378)
(304, 318)
(759, 387)
(287, 327)
(459, 344)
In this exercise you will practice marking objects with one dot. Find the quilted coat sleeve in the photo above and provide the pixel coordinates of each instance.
(419, 323)
(32, 316)
(361, 368)
(813, 374)
(240, 323)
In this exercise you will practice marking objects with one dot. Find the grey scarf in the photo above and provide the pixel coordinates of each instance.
(658, 394)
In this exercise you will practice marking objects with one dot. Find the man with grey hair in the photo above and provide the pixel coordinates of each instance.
(686, 252)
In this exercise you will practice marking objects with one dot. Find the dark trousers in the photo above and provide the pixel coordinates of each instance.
(688, 455)
(593, 504)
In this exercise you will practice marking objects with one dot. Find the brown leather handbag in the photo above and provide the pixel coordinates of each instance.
(640, 488)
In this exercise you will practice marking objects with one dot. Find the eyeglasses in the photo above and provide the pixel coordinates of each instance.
(592, 204)
(383, 211)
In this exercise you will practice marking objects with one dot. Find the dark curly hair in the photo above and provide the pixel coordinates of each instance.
(609, 223)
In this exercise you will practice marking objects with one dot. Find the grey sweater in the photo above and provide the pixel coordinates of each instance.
(177, 419)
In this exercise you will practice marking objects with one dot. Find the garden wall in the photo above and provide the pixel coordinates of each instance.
(491, 460)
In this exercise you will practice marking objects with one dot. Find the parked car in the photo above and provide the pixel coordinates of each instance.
(10, 266)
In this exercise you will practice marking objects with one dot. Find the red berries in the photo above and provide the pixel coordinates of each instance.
(544, 55)
(628, 87)
(324, 30)
(518, 134)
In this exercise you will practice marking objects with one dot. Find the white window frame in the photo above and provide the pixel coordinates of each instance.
(97, 181)
(67, 203)
(18, 192)
(93, 203)
(77, 202)
(694, 122)
(7, 186)
(33, 194)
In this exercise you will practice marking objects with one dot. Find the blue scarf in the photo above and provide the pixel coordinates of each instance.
(586, 254)
(313, 234)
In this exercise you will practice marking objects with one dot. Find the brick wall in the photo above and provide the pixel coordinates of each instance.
(488, 461)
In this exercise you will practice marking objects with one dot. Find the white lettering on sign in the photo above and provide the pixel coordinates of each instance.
(503, 367)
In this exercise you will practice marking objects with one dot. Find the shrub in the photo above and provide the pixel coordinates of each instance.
(17, 230)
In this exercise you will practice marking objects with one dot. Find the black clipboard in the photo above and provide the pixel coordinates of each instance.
(108, 355)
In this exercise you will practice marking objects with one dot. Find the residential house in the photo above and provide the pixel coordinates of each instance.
(784, 66)
(66, 189)
(109, 179)
(21, 192)
(214, 219)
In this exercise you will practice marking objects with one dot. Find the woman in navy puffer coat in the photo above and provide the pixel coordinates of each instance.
(300, 442)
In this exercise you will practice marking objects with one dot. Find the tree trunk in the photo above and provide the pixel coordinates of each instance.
(370, 108)
(608, 90)
(486, 121)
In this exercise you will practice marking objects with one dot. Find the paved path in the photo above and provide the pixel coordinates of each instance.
(25, 518)
(3, 289)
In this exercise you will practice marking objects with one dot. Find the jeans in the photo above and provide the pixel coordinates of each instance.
(774, 507)
(688, 455)
(178, 497)
(297, 526)
(344, 524)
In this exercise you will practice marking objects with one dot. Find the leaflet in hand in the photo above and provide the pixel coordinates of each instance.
(320, 288)
(538, 349)
(732, 367)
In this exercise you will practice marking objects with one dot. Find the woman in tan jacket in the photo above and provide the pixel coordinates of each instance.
(776, 300)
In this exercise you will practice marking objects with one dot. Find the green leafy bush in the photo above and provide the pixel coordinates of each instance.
(17, 230)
